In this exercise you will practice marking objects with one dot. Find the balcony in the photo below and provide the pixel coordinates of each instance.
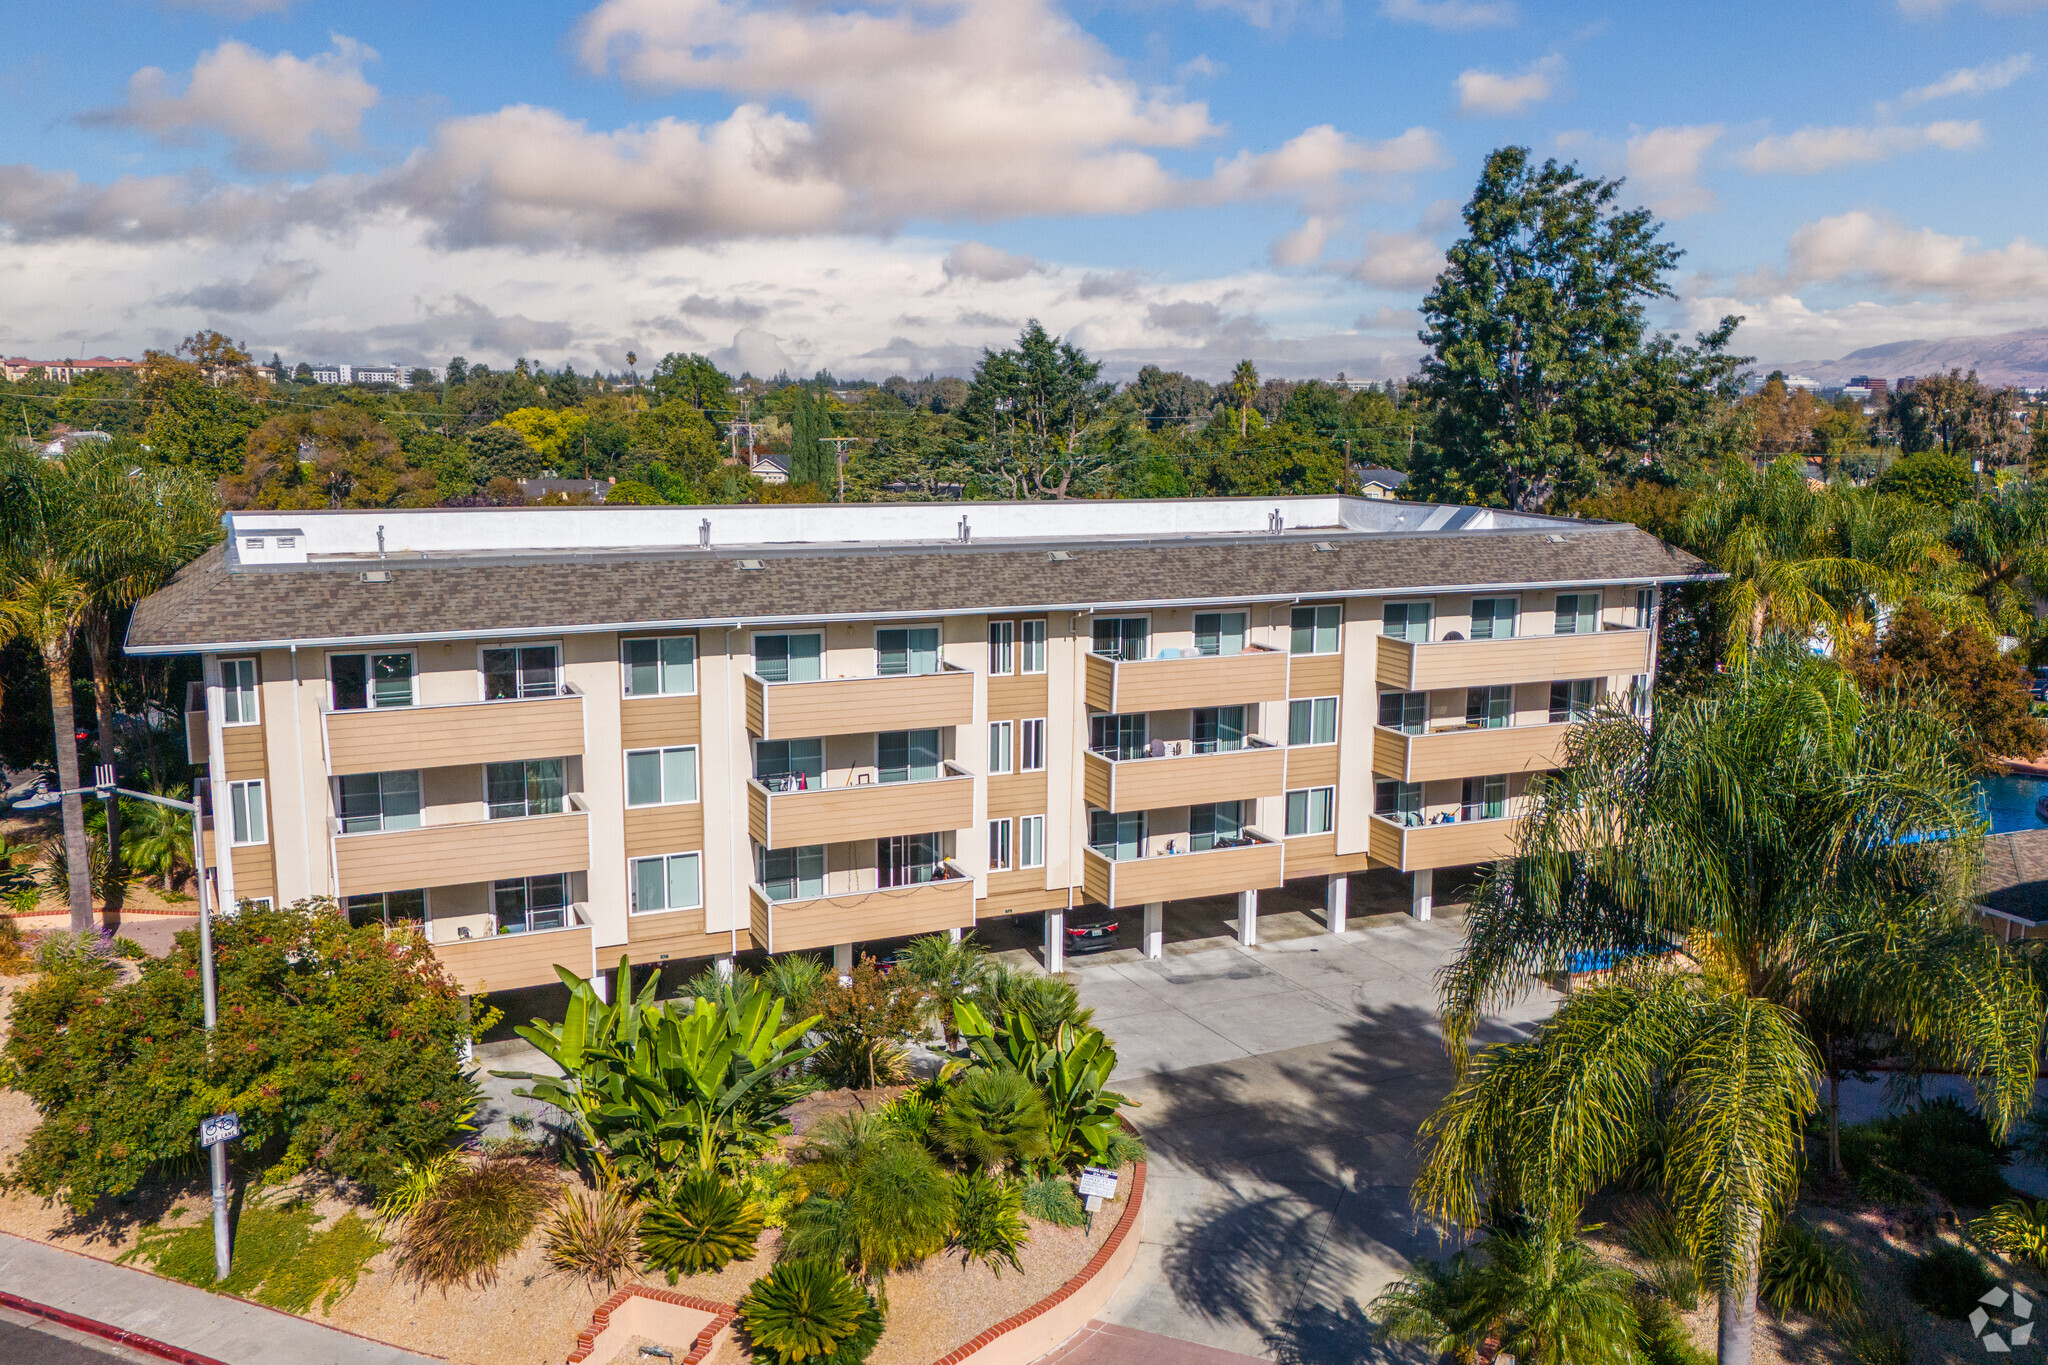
(947, 902)
(1467, 751)
(1174, 684)
(852, 706)
(472, 851)
(1410, 848)
(499, 962)
(1123, 882)
(1410, 667)
(863, 810)
(1184, 779)
(444, 736)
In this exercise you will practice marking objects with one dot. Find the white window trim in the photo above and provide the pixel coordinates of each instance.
(1022, 820)
(259, 902)
(1002, 844)
(625, 779)
(255, 692)
(1002, 747)
(426, 904)
(626, 672)
(1312, 742)
(875, 643)
(1429, 602)
(1008, 646)
(262, 812)
(561, 667)
(1472, 605)
(1044, 643)
(1024, 747)
(369, 685)
(1309, 833)
(633, 882)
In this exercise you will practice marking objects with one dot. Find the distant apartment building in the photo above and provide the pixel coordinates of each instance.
(561, 735)
(334, 374)
(18, 368)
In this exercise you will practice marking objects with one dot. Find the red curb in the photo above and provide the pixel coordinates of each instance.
(120, 1336)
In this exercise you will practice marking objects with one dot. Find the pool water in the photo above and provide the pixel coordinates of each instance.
(2010, 801)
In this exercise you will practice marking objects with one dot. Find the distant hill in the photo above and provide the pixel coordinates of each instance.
(2009, 358)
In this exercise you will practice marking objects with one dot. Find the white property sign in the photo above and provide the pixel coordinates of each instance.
(1096, 1185)
(218, 1129)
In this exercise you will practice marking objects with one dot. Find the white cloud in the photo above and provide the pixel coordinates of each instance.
(1488, 92)
(37, 205)
(1398, 260)
(273, 283)
(1970, 80)
(977, 261)
(1319, 159)
(1811, 150)
(1304, 245)
(1666, 162)
(1451, 14)
(281, 112)
(1914, 261)
(1201, 64)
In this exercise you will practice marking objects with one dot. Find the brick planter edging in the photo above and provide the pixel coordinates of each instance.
(722, 1316)
(120, 1336)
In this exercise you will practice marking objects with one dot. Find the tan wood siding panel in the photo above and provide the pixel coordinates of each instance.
(1311, 766)
(241, 751)
(448, 855)
(1149, 783)
(1098, 780)
(672, 934)
(1529, 658)
(1326, 864)
(1310, 854)
(1095, 877)
(1390, 753)
(928, 909)
(660, 722)
(1468, 841)
(1022, 794)
(757, 917)
(1384, 842)
(1315, 675)
(505, 962)
(757, 812)
(208, 850)
(1008, 887)
(1215, 873)
(1033, 902)
(255, 871)
(449, 736)
(1099, 689)
(757, 705)
(871, 812)
(1475, 753)
(1394, 664)
(664, 829)
(1256, 675)
(195, 736)
(1017, 697)
(852, 706)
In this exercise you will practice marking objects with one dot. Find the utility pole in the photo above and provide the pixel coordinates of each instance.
(839, 445)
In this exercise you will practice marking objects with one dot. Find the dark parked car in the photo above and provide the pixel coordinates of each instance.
(1091, 930)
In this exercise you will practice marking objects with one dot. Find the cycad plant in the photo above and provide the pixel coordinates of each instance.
(994, 1119)
(810, 1312)
(1780, 839)
(879, 1202)
(701, 1225)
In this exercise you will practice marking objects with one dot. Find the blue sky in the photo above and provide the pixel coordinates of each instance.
(886, 187)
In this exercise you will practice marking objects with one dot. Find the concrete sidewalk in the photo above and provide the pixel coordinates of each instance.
(178, 1315)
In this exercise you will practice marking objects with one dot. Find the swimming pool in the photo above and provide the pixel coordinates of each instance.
(2010, 802)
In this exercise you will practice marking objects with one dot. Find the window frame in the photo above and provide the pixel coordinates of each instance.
(240, 810)
(526, 893)
(1428, 623)
(1572, 714)
(1029, 634)
(1243, 636)
(518, 647)
(661, 770)
(938, 631)
(1558, 618)
(1002, 648)
(1486, 781)
(626, 665)
(1308, 797)
(1312, 703)
(525, 784)
(254, 695)
(1400, 788)
(1422, 726)
(1030, 844)
(1002, 748)
(1514, 602)
(369, 680)
(1486, 712)
(1144, 618)
(754, 639)
(383, 819)
(633, 906)
(1001, 851)
(1031, 745)
(383, 899)
(1315, 628)
(796, 877)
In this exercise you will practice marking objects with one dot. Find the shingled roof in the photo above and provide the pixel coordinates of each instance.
(211, 606)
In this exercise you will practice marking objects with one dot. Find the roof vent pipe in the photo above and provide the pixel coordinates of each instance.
(963, 530)
(380, 542)
(1273, 523)
(704, 533)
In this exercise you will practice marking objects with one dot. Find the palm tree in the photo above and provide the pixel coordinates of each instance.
(42, 601)
(2001, 540)
(1780, 842)
(878, 1201)
(1243, 388)
(1548, 1299)
(950, 971)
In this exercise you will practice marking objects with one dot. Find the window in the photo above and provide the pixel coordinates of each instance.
(666, 667)
(238, 692)
(661, 777)
(1400, 802)
(1117, 737)
(907, 755)
(1315, 629)
(1034, 646)
(903, 653)
(1308, 810)
(793, 874)
(908, 860)
(999, 845)
(255, 903)
(1002, 647)
(1312, 720)
(1639, 696)
(668, 882)
(1117, 835)
(788, 658)
(370, 681)
(527, 905)
(1219, 632)
(1031, 841)
(386, 908)
(1406, 621)
(370, 802)
(1571, 700)
(1217, 825)
(783, 765)
(1490, 708)
(522, 673)
(1218, 729)
(1122, 637)
(1404, 711)
(1493, 618)
(246, 799)
(1577, 613)
(1646, 607)
(531, 786)
(1001, 745)
(1033, 736)
(1485, 798)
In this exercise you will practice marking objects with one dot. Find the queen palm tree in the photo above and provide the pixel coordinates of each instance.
(1778, 842)
(1546, 1297)
(42, 601)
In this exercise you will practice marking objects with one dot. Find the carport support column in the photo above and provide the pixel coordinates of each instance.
(601, 982)
(1248, 918)
(1155, 929)
(723, 966)
(953, 935)
(1055, 941)
(1422, 893)
(842, 958)
(1336, 902)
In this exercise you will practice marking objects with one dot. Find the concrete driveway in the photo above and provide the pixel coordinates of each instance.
(1281, 1087)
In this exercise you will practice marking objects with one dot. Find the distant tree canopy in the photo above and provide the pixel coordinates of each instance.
(1960, 672)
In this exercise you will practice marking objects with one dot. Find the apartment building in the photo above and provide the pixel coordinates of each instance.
(560, 735)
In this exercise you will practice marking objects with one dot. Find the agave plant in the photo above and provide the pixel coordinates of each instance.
(1070, 1071)
(703, 1225)
(810, 1311)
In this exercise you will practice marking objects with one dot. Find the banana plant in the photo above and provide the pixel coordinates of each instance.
(1071, 1070)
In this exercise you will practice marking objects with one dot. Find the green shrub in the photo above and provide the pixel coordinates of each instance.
(993, 1119)
(2017, 1228)
(477, 1216)
(1662, 1337)
(414, 1181)
(911, 1114)
(703, 1225)
(14, 957)
(1880, 1184)
(59, 952)
(772, 1188)
(283, 1257)
(810, 1312)
(1951, 1148)
(795, 979)
(128, 949)
(1653, 1235)
(1929, 477)
(863, 1023)
(1122, 1149)
(1948, 1281)
(878, 1202)
(1804, 1272)
(988, 1220)
(595, 1235)
(1881, 1336)
(1052, 1200)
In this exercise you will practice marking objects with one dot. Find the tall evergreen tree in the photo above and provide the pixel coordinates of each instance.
(810, 459)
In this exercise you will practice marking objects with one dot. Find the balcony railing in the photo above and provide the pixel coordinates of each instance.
(1460, 750)
(852, 706)
(1419, 667)
(1249, 865)
(489, 961)
(821, 814)
(1178, 682)
(453, 733)
(468, 851)
(945, 902)
(1410, 848)
(1189, 776)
